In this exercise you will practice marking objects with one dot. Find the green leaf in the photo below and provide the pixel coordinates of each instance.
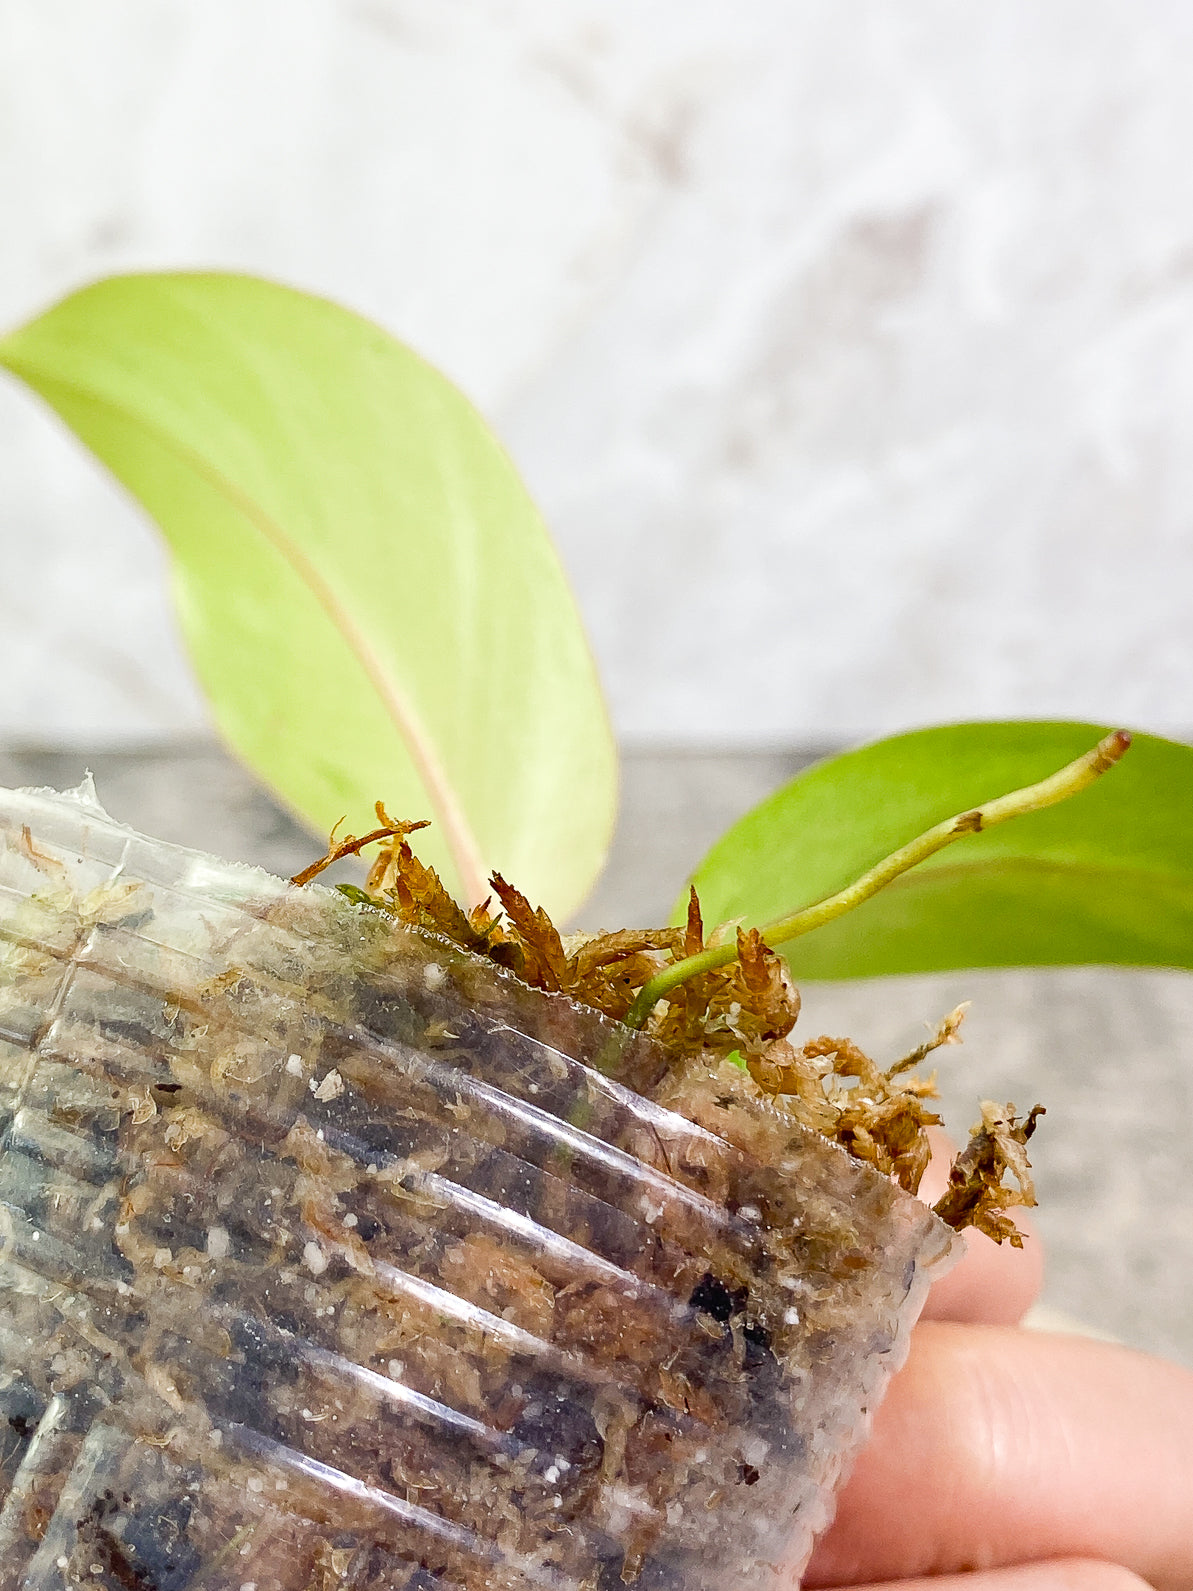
(368, 594)
(1106, 877)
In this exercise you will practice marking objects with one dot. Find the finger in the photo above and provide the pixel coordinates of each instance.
(1061, 1574)
(998, 1447)
(993, 1284)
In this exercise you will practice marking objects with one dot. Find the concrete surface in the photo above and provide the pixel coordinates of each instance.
(1110, 1053)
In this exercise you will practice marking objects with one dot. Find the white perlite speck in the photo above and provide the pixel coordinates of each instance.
(331, 1087)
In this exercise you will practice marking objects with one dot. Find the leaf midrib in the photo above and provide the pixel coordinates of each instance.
(458, 833)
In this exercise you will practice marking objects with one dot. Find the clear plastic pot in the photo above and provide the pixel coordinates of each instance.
(333, 1257)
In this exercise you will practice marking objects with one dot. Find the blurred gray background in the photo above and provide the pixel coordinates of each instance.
(846, 344)
(847, 347)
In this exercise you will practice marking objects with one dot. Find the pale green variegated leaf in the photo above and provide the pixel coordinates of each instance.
(1106, 877)
(368, 594)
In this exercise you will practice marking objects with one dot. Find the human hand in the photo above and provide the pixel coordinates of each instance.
(1011, 1460)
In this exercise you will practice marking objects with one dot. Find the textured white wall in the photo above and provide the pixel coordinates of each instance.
(848, 347)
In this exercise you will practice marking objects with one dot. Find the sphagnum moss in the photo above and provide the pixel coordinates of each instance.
(733, 996)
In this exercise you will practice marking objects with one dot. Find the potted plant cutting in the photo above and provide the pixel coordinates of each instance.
(537, 1295)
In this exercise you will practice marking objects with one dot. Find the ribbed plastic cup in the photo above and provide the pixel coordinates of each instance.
(333, 1258)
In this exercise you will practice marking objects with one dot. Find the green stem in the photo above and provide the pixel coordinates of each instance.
(1070, 780)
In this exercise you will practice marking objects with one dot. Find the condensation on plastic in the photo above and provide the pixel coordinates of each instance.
(333, 1257)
